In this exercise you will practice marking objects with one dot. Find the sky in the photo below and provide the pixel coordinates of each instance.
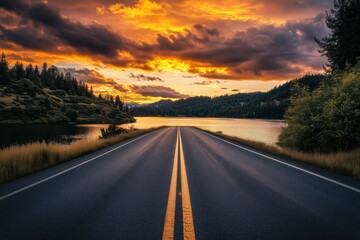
(149, 50)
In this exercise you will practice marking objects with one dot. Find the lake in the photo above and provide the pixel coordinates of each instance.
(266, 131)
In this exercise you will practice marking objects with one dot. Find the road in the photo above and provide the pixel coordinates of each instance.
(180, 183)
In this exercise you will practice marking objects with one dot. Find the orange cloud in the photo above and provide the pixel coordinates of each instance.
(209, 40)
(142, 9)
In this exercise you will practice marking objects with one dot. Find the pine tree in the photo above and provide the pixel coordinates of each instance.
(36, 71)
(28, 70)
(4, 70)
(341, 47)
(43, 74)
(19, 70)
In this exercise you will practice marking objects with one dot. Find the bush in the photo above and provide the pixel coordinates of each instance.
(327, 120)
(111, 131)
(72, 115)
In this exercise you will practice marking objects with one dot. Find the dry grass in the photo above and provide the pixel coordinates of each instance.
(347, 163)
(17, 161)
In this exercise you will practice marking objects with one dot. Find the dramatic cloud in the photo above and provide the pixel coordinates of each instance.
(93, 77)
(191, 44)
(43, 25)
(157, 91)
(142, 77)
(268, 49)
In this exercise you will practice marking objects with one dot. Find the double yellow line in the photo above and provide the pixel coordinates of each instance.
(188, 222)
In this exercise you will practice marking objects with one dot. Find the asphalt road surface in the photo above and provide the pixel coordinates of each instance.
(180, 183)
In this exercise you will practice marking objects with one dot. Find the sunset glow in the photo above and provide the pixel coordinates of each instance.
(148, 50)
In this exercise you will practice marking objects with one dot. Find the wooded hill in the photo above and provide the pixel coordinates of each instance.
(28, 96)
(271, 104)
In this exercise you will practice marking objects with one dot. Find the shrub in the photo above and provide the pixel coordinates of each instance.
(112, 130)
(327, 120)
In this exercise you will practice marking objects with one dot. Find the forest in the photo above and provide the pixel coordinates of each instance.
(49, 96)
(268, 105)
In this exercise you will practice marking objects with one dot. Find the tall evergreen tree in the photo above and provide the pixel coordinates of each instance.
(342, 46)
(43, 74)
(19, 70)
(4, 70)
(111, 99)
(28, 70)
(36, 71)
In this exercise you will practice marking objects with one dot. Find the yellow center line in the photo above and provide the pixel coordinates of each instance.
(188, 222)
(168, 233)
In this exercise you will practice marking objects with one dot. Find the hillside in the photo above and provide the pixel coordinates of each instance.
(271, 104)
(49, 96)
(22, 101)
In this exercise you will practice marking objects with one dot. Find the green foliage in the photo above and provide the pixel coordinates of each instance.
(328, 119)
(341, 47)
(28, 96)
(72, 115)
(4, 74)
(112, 130)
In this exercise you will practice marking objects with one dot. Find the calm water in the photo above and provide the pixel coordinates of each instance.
(266, 131)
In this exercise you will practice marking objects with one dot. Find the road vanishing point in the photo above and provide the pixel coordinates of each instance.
(180, 183)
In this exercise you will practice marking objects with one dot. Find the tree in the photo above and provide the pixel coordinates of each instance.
(36, 71)
(19, 70)
(341, 47)
(118, 103)
(4, 70)
(44, 74)
(28, 70)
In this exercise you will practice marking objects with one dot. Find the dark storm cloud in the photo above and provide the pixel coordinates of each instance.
(157, 91)
(29, 38)
(265, 48)
(176, 42)
(95, 39)
(7, 18)
(142, 77)
(93, 77)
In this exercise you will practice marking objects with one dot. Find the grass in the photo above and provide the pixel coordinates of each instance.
(20, 160)
(347, 163)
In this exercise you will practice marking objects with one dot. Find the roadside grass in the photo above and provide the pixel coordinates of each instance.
(347, 163)
(20, 160)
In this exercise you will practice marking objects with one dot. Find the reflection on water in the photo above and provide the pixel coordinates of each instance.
(22, 134)
(266, 131)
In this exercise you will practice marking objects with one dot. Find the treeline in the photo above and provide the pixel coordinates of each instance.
(270, 105)
(29, 95)
(47, 77)
(52, 78)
